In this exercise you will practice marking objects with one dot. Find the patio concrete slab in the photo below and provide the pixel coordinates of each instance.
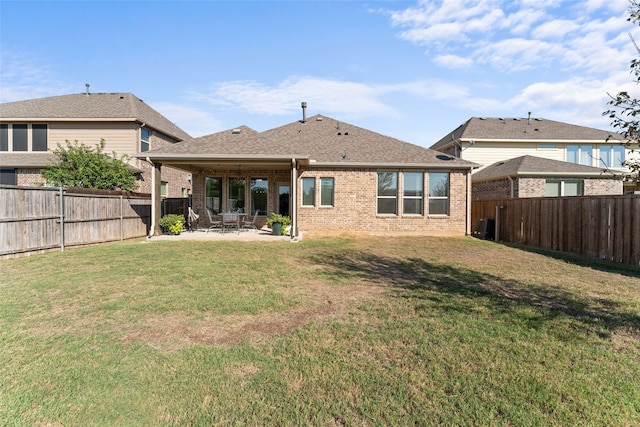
(244, 235)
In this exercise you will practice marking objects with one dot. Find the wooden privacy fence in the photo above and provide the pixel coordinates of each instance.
(602, 227)
(37, 219)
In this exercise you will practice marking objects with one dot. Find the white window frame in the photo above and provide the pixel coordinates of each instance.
(302, 192)
(333, 192)
(386, 197)
(447, 197)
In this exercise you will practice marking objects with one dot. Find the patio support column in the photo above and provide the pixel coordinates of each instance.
(294, 199)
(156, 183)
(468, 220)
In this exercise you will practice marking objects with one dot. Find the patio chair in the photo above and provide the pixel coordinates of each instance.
(213, 223)
(251, 224)
(192, 219)
(230, 220)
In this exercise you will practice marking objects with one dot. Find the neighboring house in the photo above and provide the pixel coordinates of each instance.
(489, 140)
(329, 176)
(529, 176)
(30, 130)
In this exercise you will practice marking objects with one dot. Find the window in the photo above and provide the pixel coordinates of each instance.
(144, 139)
(612, 156)
(38, 137)
(236, 194)
(213, 194)
(412, 193)
(387, 193)
(4, 137)
(556, 188)
(308, 191)
(439, 193)
(326, 191)
(546, 146)
(580, 154)
(8, 176)
(259, 195)
(20, 138)
(163, 189)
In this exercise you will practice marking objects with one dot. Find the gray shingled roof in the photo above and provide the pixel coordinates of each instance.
(538, 166)
(523, 129)
(27, 160)
(125, 106)
(321, 140)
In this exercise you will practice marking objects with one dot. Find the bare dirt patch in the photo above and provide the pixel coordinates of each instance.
(175, 331)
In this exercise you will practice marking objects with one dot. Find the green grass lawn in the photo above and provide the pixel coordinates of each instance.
(371, 331)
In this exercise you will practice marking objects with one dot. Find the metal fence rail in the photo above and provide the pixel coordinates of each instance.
(600, 227)
(38, 219)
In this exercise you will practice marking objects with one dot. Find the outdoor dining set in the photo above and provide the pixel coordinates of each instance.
(224, 221)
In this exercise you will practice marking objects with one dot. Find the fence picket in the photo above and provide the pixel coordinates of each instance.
(31, 218)
(601, 227)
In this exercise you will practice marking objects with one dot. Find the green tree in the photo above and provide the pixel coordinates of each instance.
(624, 109)
(79, 165)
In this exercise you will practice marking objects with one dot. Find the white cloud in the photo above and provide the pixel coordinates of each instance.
(556, 28)
(195, 121)
(517, 54)
(453, 61)
(23, 77)
(347, 98)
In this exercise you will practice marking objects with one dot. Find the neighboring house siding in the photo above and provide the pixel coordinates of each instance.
(487, 153)
(356, 203)
(119, 137)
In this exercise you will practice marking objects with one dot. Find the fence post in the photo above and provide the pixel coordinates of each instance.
(61, 219)
(121, 218)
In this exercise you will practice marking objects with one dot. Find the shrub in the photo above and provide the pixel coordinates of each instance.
(172, 222)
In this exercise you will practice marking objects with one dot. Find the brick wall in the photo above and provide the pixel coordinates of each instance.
(603, 187)
(536, 187)
(29, 177)
(489, 190)
(356, 204)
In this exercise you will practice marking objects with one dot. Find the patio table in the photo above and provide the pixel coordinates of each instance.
(231, 220)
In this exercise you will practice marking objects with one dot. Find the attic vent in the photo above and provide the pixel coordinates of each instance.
(318, 119)
(235, 131)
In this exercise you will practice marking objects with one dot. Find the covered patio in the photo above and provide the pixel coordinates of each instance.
(234, 180)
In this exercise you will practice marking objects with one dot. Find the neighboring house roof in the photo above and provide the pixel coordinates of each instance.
(537, 166)
(27, 160)
(522, 129)
(319, 140)
(93, 106)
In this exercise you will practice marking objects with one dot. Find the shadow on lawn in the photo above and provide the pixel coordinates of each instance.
(582, 261)
(435, 281)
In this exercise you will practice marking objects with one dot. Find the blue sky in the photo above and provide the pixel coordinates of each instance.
(414, 70)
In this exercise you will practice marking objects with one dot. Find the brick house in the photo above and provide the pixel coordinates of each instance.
(30, 130)
(530, 176)
(329, 176)
(486, 141)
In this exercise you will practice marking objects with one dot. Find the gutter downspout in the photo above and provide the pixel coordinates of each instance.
(512, 186)
(153, 199)
(294, 199)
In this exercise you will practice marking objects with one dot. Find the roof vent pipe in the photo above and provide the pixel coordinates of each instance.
(529, 119)
(304, 112)
(87, 86)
